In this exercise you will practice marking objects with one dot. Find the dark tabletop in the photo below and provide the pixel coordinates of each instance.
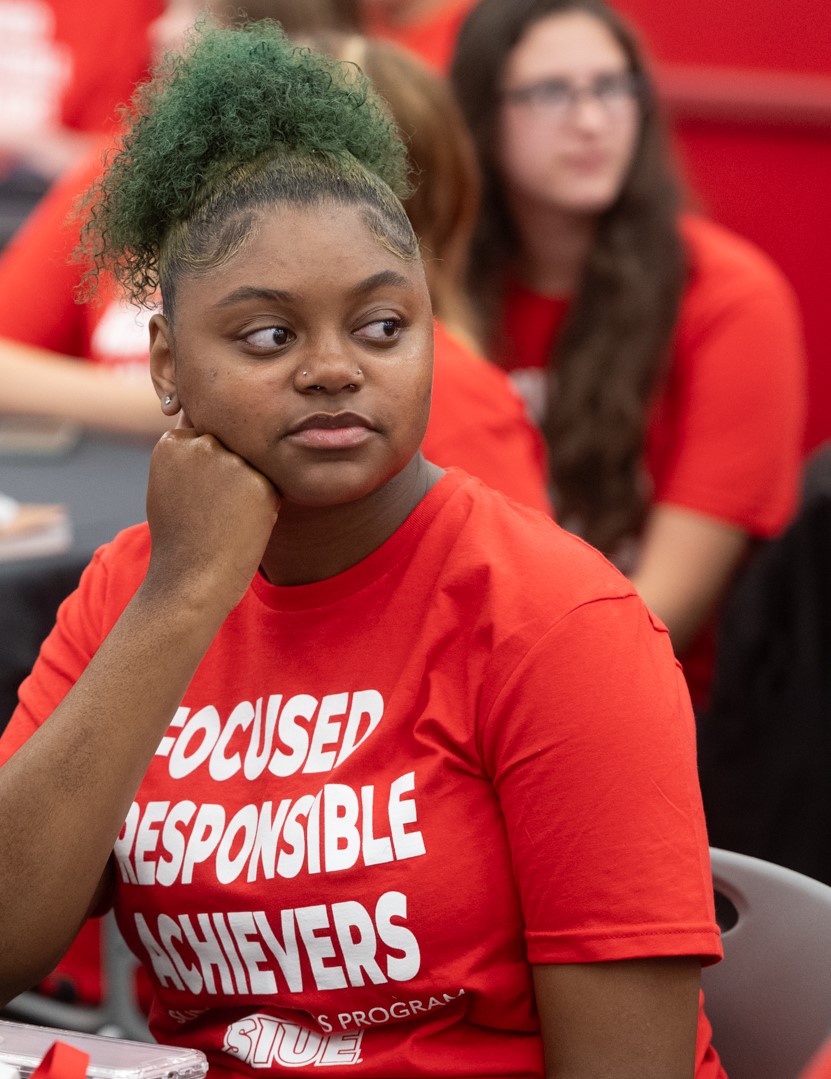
(102, 481)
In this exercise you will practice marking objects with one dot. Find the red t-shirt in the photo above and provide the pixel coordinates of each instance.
(479, 423)
(62, 67)
(477, 419)
(432, 37)
(39, 280)
(358, 761)
(725, 433)
(820, 1065)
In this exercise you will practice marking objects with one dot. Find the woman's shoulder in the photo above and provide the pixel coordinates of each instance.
(526, 557)
(518, 581)
(733, 286)
(719, 257)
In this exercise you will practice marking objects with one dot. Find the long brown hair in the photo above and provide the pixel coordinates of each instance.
(444, 204)
(613, 349)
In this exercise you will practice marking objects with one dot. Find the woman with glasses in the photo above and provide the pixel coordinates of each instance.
(661, 355)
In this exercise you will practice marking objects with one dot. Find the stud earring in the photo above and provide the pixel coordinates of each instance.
(168, 400)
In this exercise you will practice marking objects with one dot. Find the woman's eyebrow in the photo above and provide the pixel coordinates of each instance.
(379, 280)
(389, 278)
(253, 292)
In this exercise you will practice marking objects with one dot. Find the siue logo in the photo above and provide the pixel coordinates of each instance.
(262, 1041)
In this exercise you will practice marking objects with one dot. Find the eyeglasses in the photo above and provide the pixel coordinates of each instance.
(615, 91)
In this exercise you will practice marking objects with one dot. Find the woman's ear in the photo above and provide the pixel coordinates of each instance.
(163, 364)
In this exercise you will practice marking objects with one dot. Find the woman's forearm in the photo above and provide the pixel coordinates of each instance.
(65, 794)
(34, 380)
(686, 562)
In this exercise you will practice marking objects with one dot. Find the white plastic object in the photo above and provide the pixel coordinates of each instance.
(23, 1047)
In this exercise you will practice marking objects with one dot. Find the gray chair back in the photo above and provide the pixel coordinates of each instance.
(769, 1000)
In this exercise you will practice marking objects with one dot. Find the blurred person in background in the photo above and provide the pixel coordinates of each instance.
(477, 421)
(661, 355)
(295, 16)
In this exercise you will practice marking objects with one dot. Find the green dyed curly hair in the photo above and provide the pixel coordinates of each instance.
(240, 120)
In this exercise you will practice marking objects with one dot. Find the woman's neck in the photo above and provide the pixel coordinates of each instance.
(554, 246)
(310, 544)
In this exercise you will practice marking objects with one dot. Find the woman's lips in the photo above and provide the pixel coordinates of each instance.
(331, 431)
(589, 163)
(332, 438)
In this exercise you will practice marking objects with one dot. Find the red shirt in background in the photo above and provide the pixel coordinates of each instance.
(39, 280)
(432, 37)
(479, 423)
(110, 52)
(67, 64)
(820, 1065)
(725, 433)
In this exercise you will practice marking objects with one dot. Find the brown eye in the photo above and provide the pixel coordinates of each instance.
(382, 329)
(270, 338)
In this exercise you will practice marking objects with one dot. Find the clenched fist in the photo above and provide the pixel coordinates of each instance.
(211, 515)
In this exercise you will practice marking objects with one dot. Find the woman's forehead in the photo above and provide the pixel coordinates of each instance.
(565, 43)
(312, 249)
(350, 232)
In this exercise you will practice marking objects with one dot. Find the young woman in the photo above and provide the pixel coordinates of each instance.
(661, 354)
(300, 724)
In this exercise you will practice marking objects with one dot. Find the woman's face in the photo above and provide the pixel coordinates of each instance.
(309, 354)
(569, 119)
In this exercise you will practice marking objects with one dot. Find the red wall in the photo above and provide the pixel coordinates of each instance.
(778, 35)
(757, 166)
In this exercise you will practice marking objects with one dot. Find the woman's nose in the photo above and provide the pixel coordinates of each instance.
(329, 370)
(588, 111)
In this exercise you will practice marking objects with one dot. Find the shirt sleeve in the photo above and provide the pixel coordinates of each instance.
(737, 400)
(591, 747)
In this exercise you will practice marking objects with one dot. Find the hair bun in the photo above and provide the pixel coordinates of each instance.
(229, 97)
